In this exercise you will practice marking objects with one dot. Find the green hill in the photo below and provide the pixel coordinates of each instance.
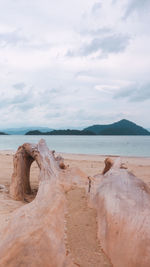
(122, 127)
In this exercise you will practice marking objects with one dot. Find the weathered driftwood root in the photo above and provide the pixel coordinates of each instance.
(25, 155)
(123, 206)
(34, 236)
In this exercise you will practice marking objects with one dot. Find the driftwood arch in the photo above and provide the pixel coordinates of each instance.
(34, 235)
(22, 161)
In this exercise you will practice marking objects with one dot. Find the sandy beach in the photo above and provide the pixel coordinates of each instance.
(76, 224)
(90, 164)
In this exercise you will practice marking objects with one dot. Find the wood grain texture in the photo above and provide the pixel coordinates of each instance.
(34, 235)
(123, 207)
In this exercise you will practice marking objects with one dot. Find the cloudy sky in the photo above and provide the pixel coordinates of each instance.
(73, 63)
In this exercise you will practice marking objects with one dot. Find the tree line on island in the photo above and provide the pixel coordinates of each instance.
(122, 127)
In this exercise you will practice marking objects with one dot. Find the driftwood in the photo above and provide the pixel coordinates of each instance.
(34, 235)
(123, 207)
(25, 155)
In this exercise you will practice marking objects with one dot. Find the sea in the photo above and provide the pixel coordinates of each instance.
(137, 146)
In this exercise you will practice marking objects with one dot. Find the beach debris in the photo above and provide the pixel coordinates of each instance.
(108, 164)
(61, 163)
(90, 183)
(3, 188)
(123, 166)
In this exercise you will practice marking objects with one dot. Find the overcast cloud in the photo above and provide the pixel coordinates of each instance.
(74, 63)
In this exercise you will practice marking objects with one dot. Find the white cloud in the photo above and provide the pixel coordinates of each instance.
(41, 85)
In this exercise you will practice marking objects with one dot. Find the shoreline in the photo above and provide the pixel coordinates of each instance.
(66, 154)
(88, 163)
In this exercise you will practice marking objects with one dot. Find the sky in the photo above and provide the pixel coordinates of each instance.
(74, 63)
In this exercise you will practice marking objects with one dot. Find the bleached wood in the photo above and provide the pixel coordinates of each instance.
(123, 206)
(34, 235)
(25, 155)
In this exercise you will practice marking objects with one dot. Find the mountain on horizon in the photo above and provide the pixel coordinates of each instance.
(24, 130)
(122, 127)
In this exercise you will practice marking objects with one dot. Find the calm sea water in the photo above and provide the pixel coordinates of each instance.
(102, 145)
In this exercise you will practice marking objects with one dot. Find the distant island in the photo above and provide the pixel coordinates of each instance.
(122, 127)
(24, 130)
(62, 132)
(1, 133)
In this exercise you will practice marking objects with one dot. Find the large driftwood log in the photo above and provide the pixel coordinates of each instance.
(123, 207)
(34, 235)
